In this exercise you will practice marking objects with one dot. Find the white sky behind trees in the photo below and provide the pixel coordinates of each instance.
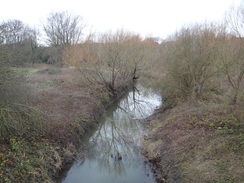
(157, 18)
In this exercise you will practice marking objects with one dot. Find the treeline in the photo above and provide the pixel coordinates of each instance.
(23, 44)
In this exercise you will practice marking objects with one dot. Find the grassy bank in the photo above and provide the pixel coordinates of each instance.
(198, 141)
(67, 106)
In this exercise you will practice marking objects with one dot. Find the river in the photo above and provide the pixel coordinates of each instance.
(112, 152)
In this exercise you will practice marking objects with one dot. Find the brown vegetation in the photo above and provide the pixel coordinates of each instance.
(120, 54)
(65, 100)
(198, 141)
(44, 109)
(200, 136)
(67, 105)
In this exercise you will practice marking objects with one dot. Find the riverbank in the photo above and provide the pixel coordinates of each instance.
(112, 149)
(197, 141)
(69, 107)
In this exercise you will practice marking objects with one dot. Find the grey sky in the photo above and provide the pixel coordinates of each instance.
(157, 18)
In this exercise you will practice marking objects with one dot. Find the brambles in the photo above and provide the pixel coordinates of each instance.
(20, 120)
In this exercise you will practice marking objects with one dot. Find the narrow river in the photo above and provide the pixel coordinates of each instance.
(113, 149)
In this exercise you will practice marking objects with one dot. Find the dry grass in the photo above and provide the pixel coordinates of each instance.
(70, 105)
(199, 140)
(66, 100)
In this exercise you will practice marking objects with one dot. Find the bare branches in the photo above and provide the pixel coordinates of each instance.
(63, 28)
(235, 19)
(19, 40)
(191, 59)
(112, 62)
(15, 31)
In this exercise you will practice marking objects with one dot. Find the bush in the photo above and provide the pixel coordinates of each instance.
(191, 60)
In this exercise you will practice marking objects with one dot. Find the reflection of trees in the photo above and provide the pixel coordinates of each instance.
(120, 133)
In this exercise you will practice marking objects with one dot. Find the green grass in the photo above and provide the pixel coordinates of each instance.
(21, 70)
(46, 85)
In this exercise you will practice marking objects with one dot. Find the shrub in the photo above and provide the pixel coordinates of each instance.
(191, 60)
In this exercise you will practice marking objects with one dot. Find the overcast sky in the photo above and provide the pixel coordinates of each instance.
(157, 18)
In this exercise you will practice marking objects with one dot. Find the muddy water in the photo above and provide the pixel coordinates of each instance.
(113, 150)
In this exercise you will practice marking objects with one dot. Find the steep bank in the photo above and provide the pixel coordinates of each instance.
(197, 141)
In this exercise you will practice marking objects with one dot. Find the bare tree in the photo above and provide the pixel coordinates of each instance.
(233, 53)
(63, 28)
(233, 66)
(19, 40)
(112, 61)
(190, 61)
(118, 59)
(15, 31)
(235, 19)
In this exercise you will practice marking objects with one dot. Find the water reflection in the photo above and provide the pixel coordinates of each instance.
(113, 150)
